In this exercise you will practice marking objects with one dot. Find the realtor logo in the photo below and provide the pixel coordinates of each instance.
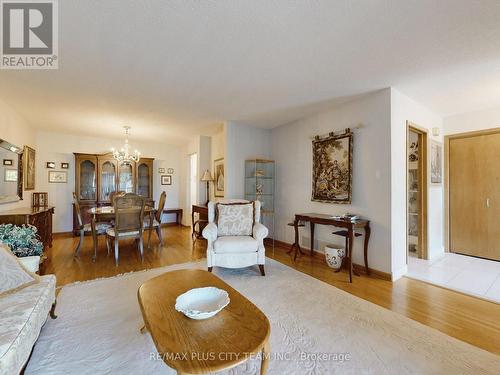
(29, 34)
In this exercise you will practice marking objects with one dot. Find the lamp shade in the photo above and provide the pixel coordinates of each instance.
(207, 176)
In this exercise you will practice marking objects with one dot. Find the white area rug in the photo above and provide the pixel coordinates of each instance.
(312, 325)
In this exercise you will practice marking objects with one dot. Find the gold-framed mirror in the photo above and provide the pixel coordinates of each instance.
(11, 172)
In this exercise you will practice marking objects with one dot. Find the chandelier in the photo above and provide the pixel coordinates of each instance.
(124, 156)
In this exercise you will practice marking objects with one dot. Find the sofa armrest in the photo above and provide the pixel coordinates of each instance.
(210, 232)
(260, 232)
(31, 263)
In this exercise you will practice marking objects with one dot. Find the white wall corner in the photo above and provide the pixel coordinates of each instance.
(397, 274)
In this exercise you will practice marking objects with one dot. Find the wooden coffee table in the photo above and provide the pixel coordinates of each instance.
(201, 346)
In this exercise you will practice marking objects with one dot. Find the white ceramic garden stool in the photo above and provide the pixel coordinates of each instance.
(334, 256)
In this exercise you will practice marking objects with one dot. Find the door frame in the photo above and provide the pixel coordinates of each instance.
(424, 187)
(447, 212)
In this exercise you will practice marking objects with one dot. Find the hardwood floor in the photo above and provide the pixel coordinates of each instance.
(466, 318)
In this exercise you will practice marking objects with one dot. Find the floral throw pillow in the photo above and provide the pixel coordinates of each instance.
(235, 219)
(12, 274)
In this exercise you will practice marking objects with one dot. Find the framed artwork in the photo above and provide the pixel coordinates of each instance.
(436, 162)
(50, 165)
(166, 180)
(10, 175)
(29, 168)
(64, 165)
(161, 170)
(58, 177)
(332, 168)
(8, 162)
(170, 170)
(219, 177)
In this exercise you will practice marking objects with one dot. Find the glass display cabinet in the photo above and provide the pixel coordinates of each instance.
(107, 179)
(144, 178)
(126, 178)
(97, 176)
(86, 178)
(259, 185)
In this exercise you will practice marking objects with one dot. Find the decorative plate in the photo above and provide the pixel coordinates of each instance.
(202, 303)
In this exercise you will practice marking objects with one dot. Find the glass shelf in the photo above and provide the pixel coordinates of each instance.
(260, 185)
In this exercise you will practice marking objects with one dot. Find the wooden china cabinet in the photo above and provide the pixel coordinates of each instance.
(96, 176)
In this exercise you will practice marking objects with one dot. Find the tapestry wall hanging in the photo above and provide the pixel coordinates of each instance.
(332, 168)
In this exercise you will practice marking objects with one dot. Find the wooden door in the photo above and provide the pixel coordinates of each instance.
(492, 196)
(474, 194)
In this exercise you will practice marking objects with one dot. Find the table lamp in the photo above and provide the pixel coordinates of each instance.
(207, 177)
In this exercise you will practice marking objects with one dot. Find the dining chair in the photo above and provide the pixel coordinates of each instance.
(156, 224)
(129, 222)
(113, 194)
(100, 227)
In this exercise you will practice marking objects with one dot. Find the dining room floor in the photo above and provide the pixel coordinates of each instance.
(466, 274)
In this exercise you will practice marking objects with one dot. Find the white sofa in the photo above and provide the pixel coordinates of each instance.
(22, 315)
(235, 251)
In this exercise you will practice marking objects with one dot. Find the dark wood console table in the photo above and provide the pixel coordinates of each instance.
(323, 219)
(41, 218)
(202, 221)
(177, 212)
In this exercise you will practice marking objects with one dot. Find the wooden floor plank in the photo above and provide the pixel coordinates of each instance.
(464, 317)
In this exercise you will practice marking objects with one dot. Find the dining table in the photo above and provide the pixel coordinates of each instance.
(107, 214)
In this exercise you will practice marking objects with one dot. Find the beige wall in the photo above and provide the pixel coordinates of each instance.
(292, 150)
(472, 121)
(14, 129)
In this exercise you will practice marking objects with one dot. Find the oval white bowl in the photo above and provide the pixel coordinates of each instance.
(202, 303)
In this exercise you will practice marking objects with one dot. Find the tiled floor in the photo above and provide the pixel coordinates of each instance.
(474, 276)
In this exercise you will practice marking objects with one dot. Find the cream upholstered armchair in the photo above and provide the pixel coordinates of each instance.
(235, 236)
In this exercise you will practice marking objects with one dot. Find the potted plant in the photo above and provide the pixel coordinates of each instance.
(24, 243)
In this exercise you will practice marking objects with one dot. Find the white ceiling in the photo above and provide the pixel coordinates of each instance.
(171, 69)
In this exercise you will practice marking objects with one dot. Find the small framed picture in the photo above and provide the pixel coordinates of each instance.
(161, 170)
(64, 165)
(166, 180)
(8, 162)
(10, 175)
(170, 170)
(58, 177)
(50, 165)
(436, 162)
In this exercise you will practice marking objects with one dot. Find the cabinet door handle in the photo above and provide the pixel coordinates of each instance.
(488, 202)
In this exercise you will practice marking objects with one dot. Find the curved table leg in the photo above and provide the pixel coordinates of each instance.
(351, 240)
(150, 229)
(312, 237)
(367, 238)
(94, 237)
(296, 245)
(266, 352)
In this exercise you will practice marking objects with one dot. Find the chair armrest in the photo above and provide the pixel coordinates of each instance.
(259, 231)
(210, 232)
